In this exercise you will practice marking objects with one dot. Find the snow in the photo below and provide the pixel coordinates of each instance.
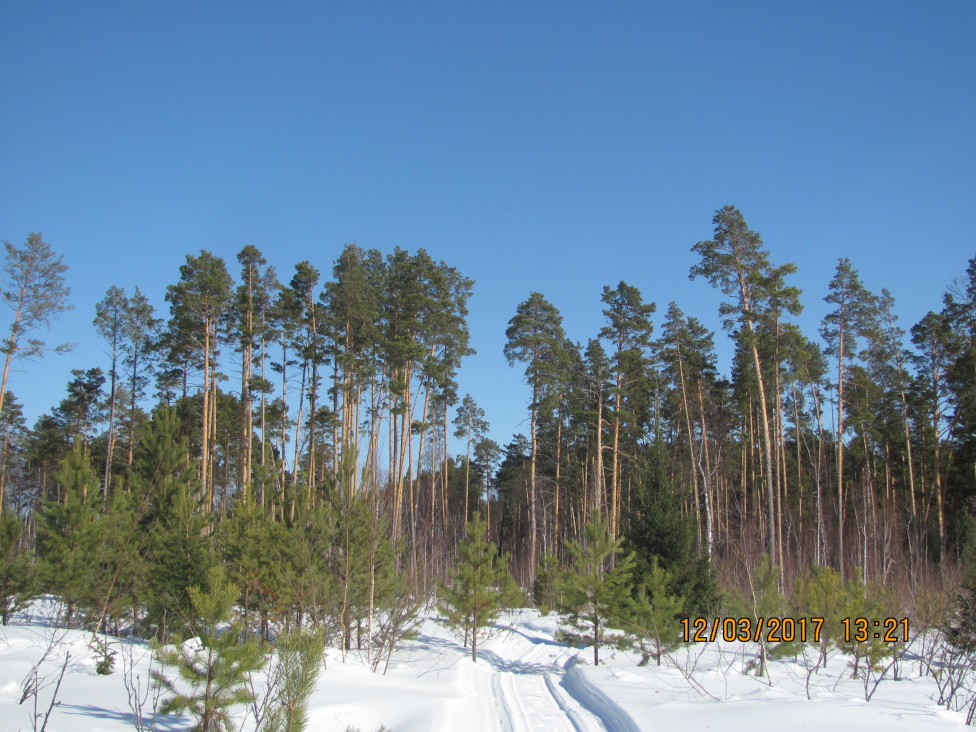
(523, 680)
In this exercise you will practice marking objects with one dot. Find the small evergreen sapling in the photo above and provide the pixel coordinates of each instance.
(67, 536)
(481, 586)
(872, 601)
(546, 589)
(762, 600)
(653, 622)
(293, 672)
(821, 594)
(215, 665)
(593, 595)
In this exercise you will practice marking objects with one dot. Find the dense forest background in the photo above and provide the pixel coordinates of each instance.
(305, 430)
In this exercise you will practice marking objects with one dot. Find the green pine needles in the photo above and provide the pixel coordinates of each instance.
(594, 593)
(293, 673)
(214, 666)
(480, 588)
(653, 620)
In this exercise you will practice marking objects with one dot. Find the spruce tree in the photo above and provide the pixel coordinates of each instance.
(481, 586)
(595, 596)
(659, 530)
(215, 665)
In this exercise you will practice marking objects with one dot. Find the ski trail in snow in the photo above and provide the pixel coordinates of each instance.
(525, 692)
(500, 705)
(596, 702)
(579, 721)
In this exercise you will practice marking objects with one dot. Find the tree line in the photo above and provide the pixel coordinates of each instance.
(320, 417)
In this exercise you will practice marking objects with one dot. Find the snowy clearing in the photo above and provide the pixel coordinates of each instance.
(523, 680)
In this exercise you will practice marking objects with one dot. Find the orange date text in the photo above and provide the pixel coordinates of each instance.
(768, 630)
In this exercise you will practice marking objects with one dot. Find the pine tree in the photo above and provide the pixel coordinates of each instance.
(67, 535)
(471, 427)
(687, 353)
(821, 594)
(254, 550)
(180, 559)
(629, 329)
(18, 581)
(853, 317)
(872, 601)
(362, 567)
(481, 586)
(960, 312)
(309, 346)
(117, 557)
(293, 670)
(81, 409)
(215, 665)
(251, 300)
(535, 336)
(179, 554)
(736, 262)
(653, 621)
(594, 596)
(140, 351)
(546, 591)
(353, 301)
(313, 539)
(32, 285)
(938, 348)
(13, 431)
(199, 303)
(762, 599)
(110, 321)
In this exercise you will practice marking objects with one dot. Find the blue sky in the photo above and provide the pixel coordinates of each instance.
(545, 146)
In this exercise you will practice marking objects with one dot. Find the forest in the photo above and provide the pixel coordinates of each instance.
(300, 435)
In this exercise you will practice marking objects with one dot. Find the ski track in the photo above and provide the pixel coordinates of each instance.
(613, 717)
(529, 691)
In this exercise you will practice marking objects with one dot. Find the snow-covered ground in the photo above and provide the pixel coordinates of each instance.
(523, 680)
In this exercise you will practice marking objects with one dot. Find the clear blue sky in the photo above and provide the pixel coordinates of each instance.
(550, 146)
